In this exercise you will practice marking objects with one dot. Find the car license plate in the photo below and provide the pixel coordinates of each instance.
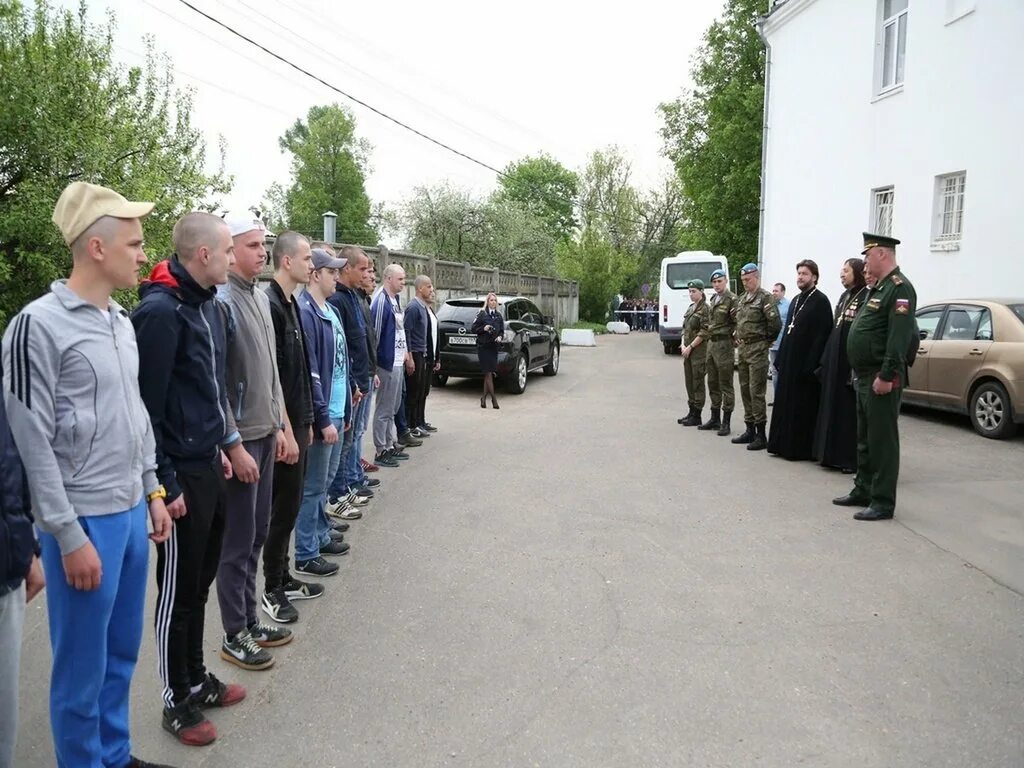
(462, 340)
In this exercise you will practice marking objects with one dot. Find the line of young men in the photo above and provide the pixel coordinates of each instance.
(208, 394)
(863, 346)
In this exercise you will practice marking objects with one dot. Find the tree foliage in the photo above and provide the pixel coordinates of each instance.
(713, 135)
(545, 188)
(70, 113)
(600, 269)
(329, 168)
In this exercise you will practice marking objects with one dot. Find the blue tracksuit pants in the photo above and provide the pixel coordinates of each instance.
(95, 637)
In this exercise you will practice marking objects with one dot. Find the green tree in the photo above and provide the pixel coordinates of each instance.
(608, 200)
(598, 267)
(70, 113)
(329, 168)
(544, 187)
(712, 134)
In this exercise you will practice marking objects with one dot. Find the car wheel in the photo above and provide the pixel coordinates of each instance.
(440, 379)
(517, 381)
(551, 369)
(669, 348)
(991, 412)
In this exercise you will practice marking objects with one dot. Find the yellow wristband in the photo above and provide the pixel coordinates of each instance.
(159, 493)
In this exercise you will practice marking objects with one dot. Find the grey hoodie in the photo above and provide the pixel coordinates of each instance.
(71, 384)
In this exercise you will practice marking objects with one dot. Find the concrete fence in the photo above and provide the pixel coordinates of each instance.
(558, 298)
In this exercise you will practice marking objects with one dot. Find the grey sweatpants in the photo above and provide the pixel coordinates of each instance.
(245, 529)
(12, 619)
(389, 398)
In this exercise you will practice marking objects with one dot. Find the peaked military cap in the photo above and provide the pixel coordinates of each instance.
(698, 284)
(878, 241)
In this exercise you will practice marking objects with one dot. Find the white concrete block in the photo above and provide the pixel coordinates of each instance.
(578, 337)
(616, 326)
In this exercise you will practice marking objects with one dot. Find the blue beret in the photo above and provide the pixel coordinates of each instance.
(748, 268)
(717, 274)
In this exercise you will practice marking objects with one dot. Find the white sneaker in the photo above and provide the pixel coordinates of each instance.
(356, 500)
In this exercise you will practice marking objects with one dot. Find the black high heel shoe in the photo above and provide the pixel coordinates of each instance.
(494, 404)
(483, 401)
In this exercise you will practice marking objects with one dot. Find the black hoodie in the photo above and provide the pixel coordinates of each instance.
(182, 340)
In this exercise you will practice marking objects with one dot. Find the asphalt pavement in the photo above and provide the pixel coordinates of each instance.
(576, 580)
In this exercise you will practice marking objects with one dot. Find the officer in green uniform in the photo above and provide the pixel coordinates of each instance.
(721, 353)
(877, 348)
(695, 322)
(757, 325)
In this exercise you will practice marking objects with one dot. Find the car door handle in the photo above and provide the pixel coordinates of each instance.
(976, 352)
(922, 352)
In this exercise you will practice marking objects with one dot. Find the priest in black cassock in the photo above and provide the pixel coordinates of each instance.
(835, 438)
(797, 389)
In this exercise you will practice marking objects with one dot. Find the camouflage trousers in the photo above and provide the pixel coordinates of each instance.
(695, 368)
(720, 374)
(753, 370)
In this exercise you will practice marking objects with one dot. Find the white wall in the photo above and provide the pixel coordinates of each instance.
(961, 108)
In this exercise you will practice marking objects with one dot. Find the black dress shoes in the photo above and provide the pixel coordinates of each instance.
(849, 500)
(872, 514)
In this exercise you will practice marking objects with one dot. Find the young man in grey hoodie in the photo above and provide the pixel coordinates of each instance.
(257, 414)
(71, 386)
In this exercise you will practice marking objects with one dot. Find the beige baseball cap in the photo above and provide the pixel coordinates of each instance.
(81, 204)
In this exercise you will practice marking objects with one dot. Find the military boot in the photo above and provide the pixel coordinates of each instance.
(760, 442)
(747, 435)
(683, 419)
(726, 429)
(693, 420)
(714, 422)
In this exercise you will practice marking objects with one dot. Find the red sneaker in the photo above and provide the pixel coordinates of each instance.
(368, 466)
(214, 693)
(189, 725)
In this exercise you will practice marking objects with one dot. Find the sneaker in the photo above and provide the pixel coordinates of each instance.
(337, 525)
(371, 482)
(384, 458)
(399, 455)
(368, 466)
(428, 428)
(409, 441)
(342, 510)
(419, 434)
(242, 651)
(355, 500)
(364, 493)
(336, 535)
(316, 567)
(350, 513)
(214, 693)
(188, 724)
(266, 636)
(278, 607)
(335, 548)
(302, 590)
(134, 762)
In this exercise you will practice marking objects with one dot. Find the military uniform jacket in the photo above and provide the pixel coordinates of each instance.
(723, 317)
(757, 318)
(696, 321)
(882, 331)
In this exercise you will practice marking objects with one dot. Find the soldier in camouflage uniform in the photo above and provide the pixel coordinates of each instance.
(878, 347)
(695, 332)
(721, 353)
(757, 325)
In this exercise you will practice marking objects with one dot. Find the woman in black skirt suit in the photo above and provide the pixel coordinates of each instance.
(489, 327)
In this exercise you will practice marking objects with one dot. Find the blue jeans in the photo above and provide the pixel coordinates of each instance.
(350, 472)
(312, 526)
(95, 637)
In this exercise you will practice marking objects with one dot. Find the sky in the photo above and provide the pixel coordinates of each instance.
(496, 81)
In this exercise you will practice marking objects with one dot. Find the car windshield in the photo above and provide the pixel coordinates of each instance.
(678, 275)
(1018, 310)
(462, 311)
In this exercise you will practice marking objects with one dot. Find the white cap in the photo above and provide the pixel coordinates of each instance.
(246, 221)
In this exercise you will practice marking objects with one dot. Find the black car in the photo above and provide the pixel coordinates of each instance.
(530, 342)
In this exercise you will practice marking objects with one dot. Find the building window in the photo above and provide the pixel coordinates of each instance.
(949, 210)
(893, 42)
(882, 200)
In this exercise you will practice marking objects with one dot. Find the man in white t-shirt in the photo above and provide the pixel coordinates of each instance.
(393, 359)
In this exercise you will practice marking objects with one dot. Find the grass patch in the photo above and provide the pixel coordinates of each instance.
(597, 328)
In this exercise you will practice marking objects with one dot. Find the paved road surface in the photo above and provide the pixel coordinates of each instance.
(574, 580)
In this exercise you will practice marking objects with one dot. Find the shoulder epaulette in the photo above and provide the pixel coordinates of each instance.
(897, 280)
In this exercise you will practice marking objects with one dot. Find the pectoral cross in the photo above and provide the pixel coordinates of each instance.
(790, 329)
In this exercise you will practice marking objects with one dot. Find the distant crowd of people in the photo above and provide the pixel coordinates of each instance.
(638, 314)
(838, 372)
(216, 419)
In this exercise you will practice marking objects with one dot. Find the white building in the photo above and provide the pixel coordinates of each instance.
(902, 117)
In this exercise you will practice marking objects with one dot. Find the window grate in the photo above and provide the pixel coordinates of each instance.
(883, 201)
(951, 208)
